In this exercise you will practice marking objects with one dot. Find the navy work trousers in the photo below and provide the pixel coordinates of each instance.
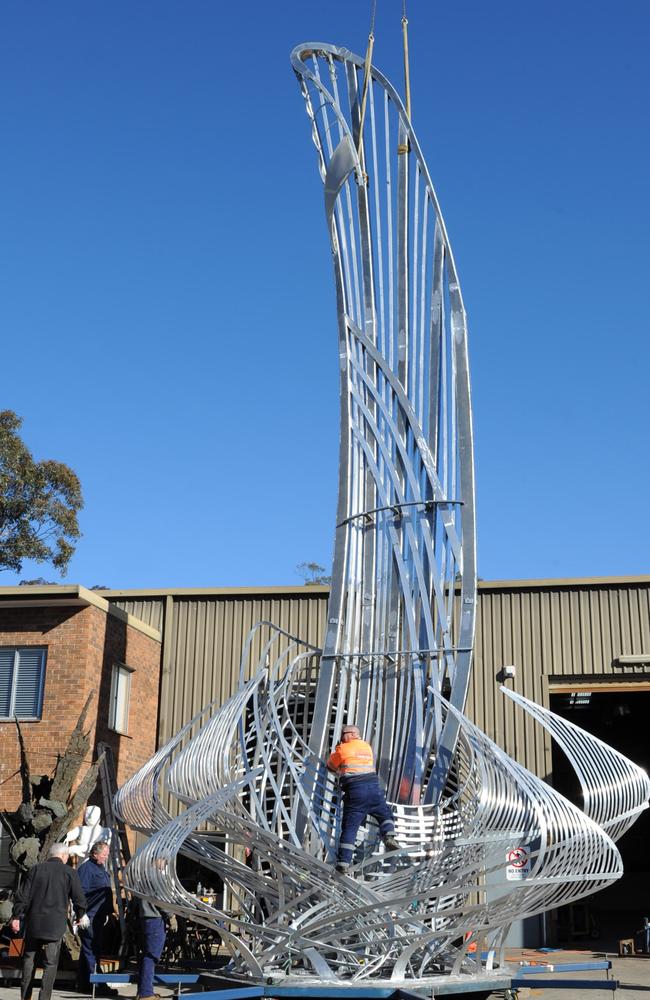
(152, 930)
(90, 941)
(362, 796)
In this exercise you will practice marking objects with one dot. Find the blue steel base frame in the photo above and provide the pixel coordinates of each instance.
(464, 986)
(443, 987)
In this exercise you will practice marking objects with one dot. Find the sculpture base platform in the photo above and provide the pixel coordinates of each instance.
(222, 988)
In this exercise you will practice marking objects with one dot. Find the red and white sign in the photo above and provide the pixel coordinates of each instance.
(517, 864)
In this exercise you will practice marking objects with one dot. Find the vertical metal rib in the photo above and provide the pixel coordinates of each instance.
(397, 577)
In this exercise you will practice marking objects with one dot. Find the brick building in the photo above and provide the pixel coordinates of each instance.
(57, 644)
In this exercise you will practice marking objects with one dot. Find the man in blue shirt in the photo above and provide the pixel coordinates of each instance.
(96, 884)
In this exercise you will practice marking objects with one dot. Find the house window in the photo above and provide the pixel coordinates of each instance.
(22, 673)
(118, 715)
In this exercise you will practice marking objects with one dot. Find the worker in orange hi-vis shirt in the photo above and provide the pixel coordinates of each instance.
(354, 763)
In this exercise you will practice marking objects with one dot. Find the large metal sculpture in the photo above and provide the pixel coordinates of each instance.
(485, 842)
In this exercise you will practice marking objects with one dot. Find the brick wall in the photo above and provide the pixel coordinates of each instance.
(82, 645)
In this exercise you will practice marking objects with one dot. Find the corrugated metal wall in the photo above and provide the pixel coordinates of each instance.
(207, 641)
(551, 631)
(149, 610)
(204, 637)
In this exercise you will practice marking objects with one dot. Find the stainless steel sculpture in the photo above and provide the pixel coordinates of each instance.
(485, 841)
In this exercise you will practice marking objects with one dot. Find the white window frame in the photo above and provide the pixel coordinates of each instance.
(14, 680)
(120, 673)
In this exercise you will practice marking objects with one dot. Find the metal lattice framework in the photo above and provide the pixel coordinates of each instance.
(255, 802)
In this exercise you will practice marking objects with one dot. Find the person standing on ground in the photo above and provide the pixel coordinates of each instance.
(151, 934)
(42, 903)
(96, 884)
(354, 763)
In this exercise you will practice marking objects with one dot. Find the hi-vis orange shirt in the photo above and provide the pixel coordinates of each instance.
(352, 758)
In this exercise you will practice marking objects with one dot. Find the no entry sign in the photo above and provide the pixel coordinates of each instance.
(517, 864)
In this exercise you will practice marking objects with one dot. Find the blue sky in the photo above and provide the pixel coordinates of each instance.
(166, 301)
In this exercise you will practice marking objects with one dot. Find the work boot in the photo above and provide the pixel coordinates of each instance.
(342, 867)
(390, 843)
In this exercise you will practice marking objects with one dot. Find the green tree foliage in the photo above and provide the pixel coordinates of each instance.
(39, 503)
(313, 573)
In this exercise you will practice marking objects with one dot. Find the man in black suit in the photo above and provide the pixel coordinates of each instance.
(42, 903)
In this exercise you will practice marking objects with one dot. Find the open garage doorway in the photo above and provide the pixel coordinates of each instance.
(620, 716)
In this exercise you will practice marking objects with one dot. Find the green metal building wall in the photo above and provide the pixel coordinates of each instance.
(559, 634)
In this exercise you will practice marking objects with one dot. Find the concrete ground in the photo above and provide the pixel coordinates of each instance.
(64, 992)
(633, 975)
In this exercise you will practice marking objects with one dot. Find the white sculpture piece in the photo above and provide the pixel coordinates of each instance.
(485, 842)
(81, 838)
